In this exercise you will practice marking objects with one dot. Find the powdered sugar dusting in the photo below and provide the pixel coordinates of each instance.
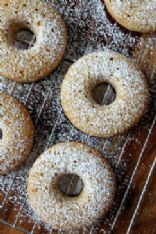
(59, 210)
(36, 62)
(91, 70)
(89, 29)
(136, 15)
(16, 142)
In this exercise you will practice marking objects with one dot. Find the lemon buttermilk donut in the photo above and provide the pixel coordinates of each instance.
(16, 133)
(104, 120)
(70, 212)
(49, 29)
(135, 15)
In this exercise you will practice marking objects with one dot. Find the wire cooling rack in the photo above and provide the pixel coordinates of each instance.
(132, 155)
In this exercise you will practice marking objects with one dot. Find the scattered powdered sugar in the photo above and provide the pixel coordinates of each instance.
(89, 29)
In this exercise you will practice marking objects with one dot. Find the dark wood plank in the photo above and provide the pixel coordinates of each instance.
(138, 179)
(4, 229)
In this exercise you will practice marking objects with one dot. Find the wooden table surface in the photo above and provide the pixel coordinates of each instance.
(133, 155)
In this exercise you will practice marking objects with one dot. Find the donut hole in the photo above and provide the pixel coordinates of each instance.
(104, 94)
(24, 39)
(1, 134)
(21, 36)
(71, 185)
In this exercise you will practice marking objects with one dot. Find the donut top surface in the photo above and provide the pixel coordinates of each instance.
(51, 37)
(83, 76)
(136, 15)
(63, 211)
(16, 133)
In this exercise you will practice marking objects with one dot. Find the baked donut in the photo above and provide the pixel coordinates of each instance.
(16, 133)
(135, 15)
(70, 212)
(104, 120)
(147, 48)
(38, 61)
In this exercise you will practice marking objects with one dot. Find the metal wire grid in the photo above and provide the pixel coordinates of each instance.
(116, 167)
